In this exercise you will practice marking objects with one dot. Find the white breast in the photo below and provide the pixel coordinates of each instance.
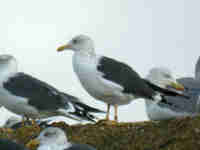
(85, 67)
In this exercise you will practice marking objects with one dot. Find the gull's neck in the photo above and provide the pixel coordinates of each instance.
(7, 70)
(89, 53)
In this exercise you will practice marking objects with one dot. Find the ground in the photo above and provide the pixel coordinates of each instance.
(178, 134)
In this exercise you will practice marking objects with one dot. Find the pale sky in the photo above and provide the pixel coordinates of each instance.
(142, 33)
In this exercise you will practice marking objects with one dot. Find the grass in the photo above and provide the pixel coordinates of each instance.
(178, 134)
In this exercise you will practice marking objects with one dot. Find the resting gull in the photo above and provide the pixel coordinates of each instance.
(28, 96)
(109, 80)
(180, 106)
(53, 138)
(6, 144)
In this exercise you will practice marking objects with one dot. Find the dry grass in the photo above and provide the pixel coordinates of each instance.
(179, 134)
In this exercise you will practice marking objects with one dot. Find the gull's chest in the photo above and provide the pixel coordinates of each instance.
(86, 70)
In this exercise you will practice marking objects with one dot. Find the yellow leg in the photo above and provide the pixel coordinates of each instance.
(108, 112)
(116, 116)
(33, 122)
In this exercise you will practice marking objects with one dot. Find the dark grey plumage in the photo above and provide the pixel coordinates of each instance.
(38, 92)
(77, 103)
(192, 88)
(6, 144)
(125, 76)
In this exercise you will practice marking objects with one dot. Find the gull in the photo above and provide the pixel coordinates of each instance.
(53, 138)
(180, 106)
(107, 79)
(26, 95)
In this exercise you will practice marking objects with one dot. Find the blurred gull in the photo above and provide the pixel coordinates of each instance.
(180, 106)
(28, 96)
(53, 138)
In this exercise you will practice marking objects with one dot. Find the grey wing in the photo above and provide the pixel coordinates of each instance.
(81, 147)
(125, 77)
(180, 104)
(39, 94)
(190, 83)
(190, 105)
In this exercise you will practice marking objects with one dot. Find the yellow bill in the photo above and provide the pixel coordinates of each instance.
(63, 47)
(177, 86)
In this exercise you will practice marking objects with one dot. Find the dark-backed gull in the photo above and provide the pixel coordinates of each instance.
(180, 106)
(107, 79)
(26, 95)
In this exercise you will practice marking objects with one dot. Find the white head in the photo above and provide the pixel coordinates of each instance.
(80, 43)
(163, 78)
(52, 135)
(8, 65)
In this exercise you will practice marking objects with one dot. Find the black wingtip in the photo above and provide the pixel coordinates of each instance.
(77, 102)
(88, 108)
(84, 115)
(167, 92)
(179, 93)
(165, 101)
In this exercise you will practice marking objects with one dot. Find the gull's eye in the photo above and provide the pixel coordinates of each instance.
(75, 41)
(48, 134)
(167, 76)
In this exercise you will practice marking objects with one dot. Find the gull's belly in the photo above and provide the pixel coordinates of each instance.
(90, 80)
(86, 69)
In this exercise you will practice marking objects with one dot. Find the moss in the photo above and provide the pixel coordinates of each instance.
(179, 134)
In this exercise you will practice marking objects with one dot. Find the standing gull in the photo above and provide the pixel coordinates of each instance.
(53, 138)
(26, 95)
(109, 80)
(180, 106)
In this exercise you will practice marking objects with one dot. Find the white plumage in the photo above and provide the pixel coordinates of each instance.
(53, 138)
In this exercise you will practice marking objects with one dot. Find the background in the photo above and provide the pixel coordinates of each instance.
(142, 33)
